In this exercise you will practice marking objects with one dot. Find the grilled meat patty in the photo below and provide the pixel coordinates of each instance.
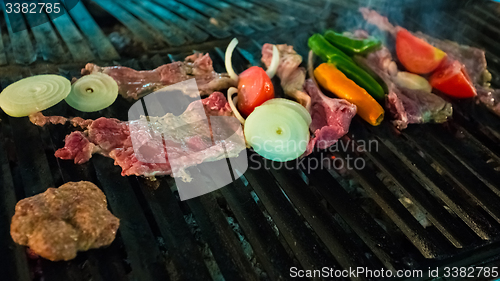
(61, 221)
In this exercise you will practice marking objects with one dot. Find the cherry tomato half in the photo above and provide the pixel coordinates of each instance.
(254, 88)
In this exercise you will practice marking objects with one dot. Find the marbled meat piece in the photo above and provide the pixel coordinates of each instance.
(191, 144)
(61, 221)
(292, 76)
(331, 118)
(406, 106)
(135, 84)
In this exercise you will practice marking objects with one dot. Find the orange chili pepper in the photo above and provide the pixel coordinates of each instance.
(336, 82)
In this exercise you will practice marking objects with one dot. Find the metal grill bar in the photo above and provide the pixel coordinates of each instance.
(20, 41)
(264, 242)
(449, 225)
(201, 21)
(142, 33)
(169, 36)
(369, 231)
(299, 238)
(77, 46)
(13, 261)
(47, 42)
(330, 233)
(94, 34)
(182, 248)
(192, 32)
(436, 184)
(140, 243)
(421, 239)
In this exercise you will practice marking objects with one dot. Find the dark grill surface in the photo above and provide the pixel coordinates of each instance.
(445, 177)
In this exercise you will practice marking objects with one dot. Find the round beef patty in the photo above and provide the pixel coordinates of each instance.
(61, 221)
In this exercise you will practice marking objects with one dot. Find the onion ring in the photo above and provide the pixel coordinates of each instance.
(230, 92)
(34, 94)
(275, 62)
(93, 92)
(228, 57)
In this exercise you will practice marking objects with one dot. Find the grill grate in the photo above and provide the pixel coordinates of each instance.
(270, 219)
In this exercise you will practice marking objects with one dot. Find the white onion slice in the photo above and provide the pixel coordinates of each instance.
(33, 94)
(228, 58)
(93, 92)
(275, 62)
(297, 107)
(277, 132)
(230, 92)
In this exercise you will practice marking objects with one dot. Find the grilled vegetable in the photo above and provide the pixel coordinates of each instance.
(416, 54)
(230, 92)
(254, 84)
(453, 80)
(34, 94)
(254, 88)
(352, 46)
(278, 130)
(297, 107)
(321, 47)
(93, 92)
(412, 81)
(336, 82)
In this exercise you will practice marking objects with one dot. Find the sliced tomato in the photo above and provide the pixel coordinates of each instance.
(254, 88)
(416, 54)
(453, 80)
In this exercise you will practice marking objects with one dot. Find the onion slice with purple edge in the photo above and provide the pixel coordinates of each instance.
(33, 94)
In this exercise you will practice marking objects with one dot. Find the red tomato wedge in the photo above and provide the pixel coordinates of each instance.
(416, 54)
(453, 80)
(254, 88)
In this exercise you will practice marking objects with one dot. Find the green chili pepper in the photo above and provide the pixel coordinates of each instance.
(322, 48)
(352, 46)
(327, 52)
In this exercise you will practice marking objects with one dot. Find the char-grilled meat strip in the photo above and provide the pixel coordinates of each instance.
(291, 75)
(41, 120)
(331, 118)
(189, 143)
(135, 84)
(406, 106)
